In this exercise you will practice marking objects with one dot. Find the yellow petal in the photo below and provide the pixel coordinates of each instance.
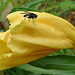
(15, 18)
(1, 33)
(25, 42)
(3, 48)
(5, 36)
(26, 38)
(10, 60)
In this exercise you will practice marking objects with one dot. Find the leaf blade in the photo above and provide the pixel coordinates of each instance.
(28, 5)
(5, 4)
(52, 65)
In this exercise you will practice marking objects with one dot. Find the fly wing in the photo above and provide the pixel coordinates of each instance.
(25, 12)
(22, 13)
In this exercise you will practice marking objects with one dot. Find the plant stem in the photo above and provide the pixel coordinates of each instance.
(4, 72)
(2, 26)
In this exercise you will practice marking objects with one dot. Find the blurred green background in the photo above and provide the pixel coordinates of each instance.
(62, 8)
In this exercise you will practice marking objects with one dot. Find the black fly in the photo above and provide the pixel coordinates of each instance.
(29, 15)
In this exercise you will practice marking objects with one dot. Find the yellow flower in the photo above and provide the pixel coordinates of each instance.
(25, 42)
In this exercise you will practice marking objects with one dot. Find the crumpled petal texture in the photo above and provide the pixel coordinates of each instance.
(25, 42)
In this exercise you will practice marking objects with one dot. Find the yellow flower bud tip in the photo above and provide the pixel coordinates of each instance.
(26, 15)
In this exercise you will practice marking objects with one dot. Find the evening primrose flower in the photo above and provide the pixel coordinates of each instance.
(25, 42)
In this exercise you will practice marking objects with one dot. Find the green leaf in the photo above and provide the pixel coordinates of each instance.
(1, 3)
(69, 51)
(10, 72)
(21, 9)
(5, 4)
(35, 7)
(65, 5)
(28, 5)
(19, 71)
(39, 70)
(1, 73)
(63, 62)
(60, 64)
